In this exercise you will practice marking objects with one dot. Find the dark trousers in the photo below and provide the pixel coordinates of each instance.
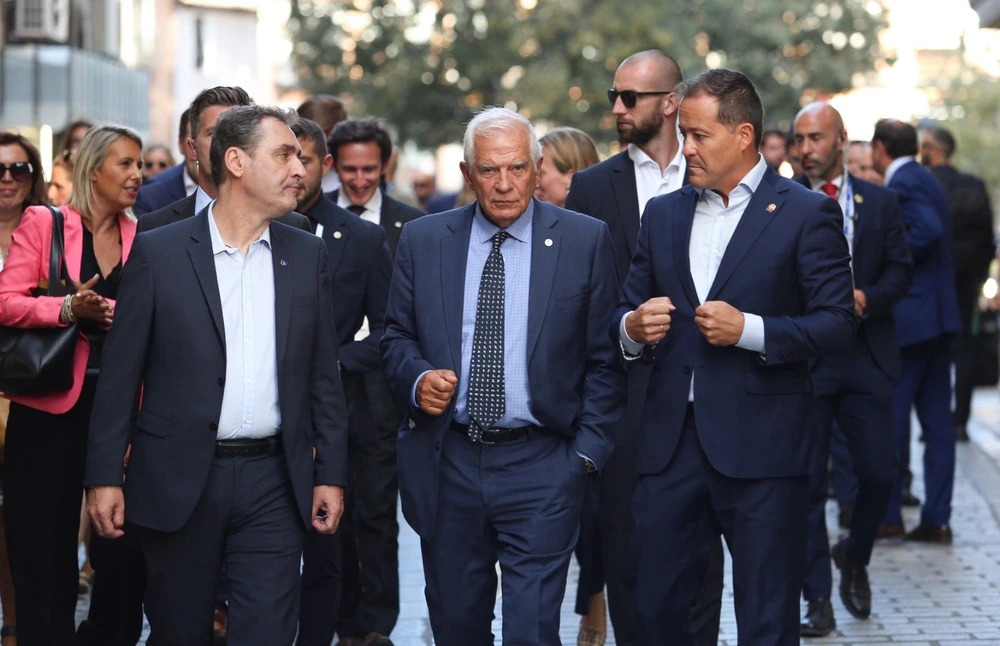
(924, 384)
(369, 533)
(964, 348)
(246, 519)
(517, 503)
(588, 549)
(43, 487)
(679, 515)
(618, 482)
(852, 390)
(115, 614)
(845, 483)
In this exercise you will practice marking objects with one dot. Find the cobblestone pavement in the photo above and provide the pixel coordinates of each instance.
(921, 594)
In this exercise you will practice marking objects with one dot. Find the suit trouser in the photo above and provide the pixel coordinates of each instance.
(925, 383)
(115, 614)
(852, 390)
(679, 514)
(964, 348)
(369, 534)
(43, 472)
(517, 503)
(247, 519)
(618, 482)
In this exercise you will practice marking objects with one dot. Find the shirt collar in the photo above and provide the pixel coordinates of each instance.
(374, 203)
(816, 184)
(895, 164)
(640, 158)
(748, 184)
(190, 186)
(218, 246)
(201, 199)
(520, 229)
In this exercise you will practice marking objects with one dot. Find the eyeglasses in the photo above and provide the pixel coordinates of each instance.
(162, 165)
(629, 97)
(19, 171)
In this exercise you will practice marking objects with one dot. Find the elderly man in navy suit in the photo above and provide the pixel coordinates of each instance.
(855, 387)
(926, 320)
(497, 338)
(737, 281)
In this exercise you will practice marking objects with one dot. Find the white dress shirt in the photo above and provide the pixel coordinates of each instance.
(894, 165)
(373, 207)
(190, 186)
(711, 230)
(845, 197)
(650, 181)
(201, 200)
(246, 286)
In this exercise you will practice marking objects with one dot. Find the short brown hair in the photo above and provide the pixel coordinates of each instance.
(736, 95)
(325, 110)
(219, 95)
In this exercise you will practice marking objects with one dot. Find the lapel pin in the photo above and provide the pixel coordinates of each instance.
(858, 198)
(337, 234)
(283, 263)
(771, 207)
(548, 242)
(399, 225)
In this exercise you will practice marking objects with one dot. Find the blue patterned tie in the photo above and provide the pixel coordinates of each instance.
(486, 378)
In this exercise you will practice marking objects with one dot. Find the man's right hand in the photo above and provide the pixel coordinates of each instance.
(435, 390)
(106, 508)
(649, 323)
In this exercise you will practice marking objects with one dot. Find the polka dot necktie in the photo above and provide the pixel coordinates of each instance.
(486, 378)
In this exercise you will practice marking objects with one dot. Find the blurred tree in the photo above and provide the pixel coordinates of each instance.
(426, 65)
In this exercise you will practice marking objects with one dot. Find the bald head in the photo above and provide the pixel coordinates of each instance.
(656, 66)
(820, 137)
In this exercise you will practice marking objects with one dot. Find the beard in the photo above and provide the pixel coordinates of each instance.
(641, 132)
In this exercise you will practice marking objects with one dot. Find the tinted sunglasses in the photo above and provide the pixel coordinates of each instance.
(157, 164)
(19, 171)
(629, 97)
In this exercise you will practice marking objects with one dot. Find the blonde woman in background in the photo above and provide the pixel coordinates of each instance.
(565, 151)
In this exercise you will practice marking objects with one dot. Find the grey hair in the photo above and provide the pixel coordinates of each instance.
(90, 156)
(497, 121)
(239, 127)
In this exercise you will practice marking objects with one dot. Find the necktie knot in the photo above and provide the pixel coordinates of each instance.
(356, 209)
(498, 238)
(830, 189)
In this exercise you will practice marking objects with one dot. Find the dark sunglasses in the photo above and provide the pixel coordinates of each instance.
(19, 171)
(160, 164)
(629, 97)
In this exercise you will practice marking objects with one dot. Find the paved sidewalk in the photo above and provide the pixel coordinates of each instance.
(921, 594)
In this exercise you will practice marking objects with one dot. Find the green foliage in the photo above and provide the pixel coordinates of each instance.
(425, 65)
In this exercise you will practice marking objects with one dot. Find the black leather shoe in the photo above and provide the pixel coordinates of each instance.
(890, 530)
(855, 591)
(909, 500)
(940, 534)
(961, 433)
(375, 639)
(819, 621)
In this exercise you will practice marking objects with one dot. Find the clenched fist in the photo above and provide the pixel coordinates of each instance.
(719, 322)
(649, 323)
(435, 390)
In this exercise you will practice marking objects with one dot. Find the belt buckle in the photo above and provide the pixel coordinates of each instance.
(482, 437)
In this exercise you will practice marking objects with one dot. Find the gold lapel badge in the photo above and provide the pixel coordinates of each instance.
(771, 207)
(858, 198)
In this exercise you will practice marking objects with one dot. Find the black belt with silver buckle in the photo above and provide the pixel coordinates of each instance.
(248, 448)
(497, 435)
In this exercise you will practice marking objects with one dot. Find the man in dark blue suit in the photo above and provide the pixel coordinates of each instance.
(224, 324)
(855, 387)
(737, 281)
(174, 183)
(360, 271)
(496, 336)
(926, 320)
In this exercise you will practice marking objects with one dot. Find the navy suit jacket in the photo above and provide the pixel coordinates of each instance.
(930, 309)
(184, 208)
(392, 218)
(882, 268)
(360, 271)
(168, 339)
(786, 262)
(577, 381)
(164, 189)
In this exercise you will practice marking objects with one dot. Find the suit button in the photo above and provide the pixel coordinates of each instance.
(437, 446)
(222, 381)
(686, 370)
(213, 427)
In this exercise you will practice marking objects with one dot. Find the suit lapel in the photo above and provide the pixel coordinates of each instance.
(545, 249)
(283, 287)
(454, 256)
(200, 251)
(681, 235)
(335, 233)
(859, 221)
(756, 217)
(626, 197)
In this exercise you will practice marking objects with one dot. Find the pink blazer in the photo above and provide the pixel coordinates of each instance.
(27, 265)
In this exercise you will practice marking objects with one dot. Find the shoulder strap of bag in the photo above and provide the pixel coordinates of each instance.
(56, 253)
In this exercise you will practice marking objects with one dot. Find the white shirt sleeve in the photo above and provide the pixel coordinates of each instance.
(753, 333)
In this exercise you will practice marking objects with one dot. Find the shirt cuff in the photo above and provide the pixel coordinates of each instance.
(629, 347)
(413, 391)
(753, 333)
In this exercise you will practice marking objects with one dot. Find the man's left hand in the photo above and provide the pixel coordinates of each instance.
(719, 322)
(860, 303)
(328, 505)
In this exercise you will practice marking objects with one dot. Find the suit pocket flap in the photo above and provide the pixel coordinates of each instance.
(152, 424)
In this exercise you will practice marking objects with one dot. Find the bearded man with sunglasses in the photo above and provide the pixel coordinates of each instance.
(616, 191)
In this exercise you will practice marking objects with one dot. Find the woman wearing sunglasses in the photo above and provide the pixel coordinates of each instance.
(157, 159)
(47, 434)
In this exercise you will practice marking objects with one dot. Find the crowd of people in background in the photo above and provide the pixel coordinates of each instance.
(706, 356)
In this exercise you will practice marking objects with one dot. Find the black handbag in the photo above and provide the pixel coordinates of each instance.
(39, 360)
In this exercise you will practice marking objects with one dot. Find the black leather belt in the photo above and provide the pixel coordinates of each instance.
(248, 448)
(497, 435)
